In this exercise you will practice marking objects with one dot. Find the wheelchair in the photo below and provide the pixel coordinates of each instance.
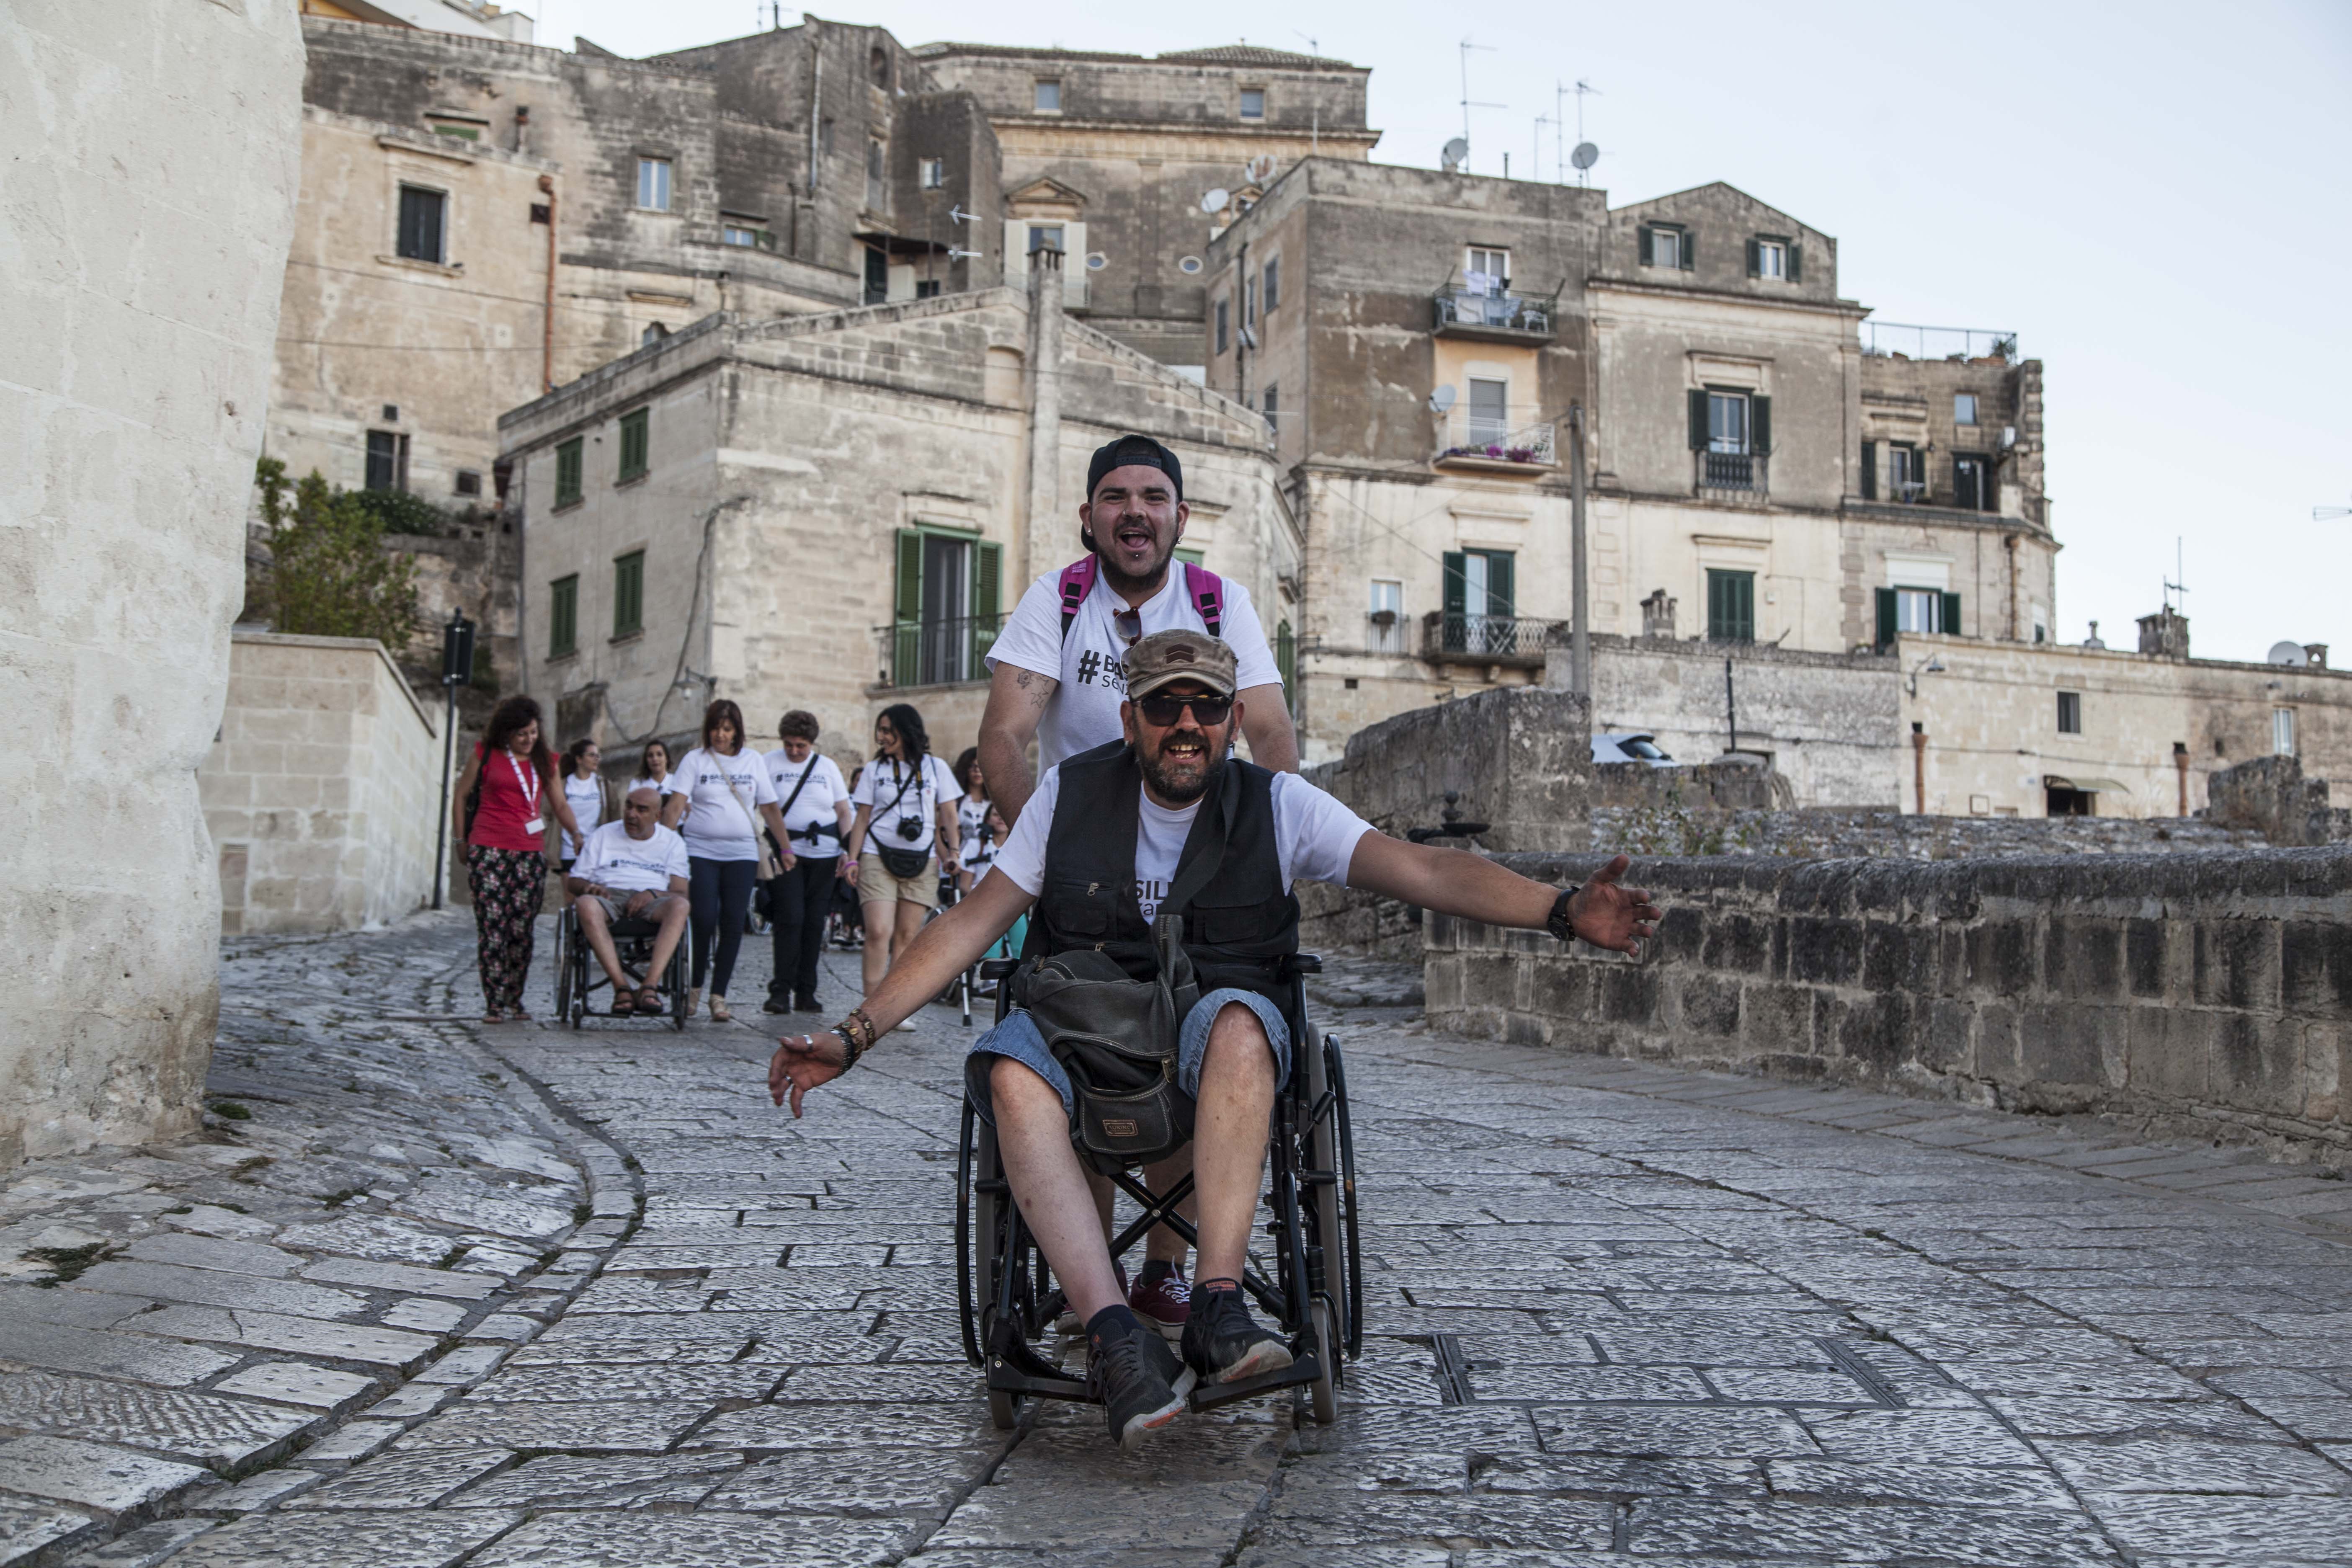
(578, 975)
(1311, 1284)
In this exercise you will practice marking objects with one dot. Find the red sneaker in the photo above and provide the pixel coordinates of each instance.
(1163, 1300)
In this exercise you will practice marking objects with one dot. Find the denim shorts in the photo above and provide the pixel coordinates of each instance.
(1018, 1039)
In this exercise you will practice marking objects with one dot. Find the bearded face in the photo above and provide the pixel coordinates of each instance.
(1181, 761)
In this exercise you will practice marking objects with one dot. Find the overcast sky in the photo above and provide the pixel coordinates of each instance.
(2153, 197)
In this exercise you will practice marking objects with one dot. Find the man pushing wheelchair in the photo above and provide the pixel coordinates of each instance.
(1157, 872)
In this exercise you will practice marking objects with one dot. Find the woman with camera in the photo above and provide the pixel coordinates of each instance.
(905, 803)
(723, 792)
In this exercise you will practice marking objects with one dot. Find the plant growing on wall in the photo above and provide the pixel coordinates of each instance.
(329, 573)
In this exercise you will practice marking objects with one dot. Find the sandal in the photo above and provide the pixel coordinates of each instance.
(625, 1003)
(494, 1016)
(649, 1002)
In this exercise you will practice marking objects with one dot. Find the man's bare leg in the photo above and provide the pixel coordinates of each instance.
(1164, 1245)
(672, 911)
(590, 912)
(1032, 1137)
(1229, 1137)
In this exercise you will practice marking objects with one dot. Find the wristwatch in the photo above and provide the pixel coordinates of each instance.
(1558, 922)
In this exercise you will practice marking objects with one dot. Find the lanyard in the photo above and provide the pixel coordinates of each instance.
(530, 785)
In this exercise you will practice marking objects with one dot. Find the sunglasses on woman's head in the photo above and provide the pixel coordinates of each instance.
(1161, 712)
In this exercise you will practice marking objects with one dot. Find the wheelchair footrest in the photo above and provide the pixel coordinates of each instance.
(1304, 1369)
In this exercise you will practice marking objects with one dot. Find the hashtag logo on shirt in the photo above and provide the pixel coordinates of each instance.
(1089, 666)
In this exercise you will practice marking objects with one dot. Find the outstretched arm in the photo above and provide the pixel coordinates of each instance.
(943, 949)
(1016, 702)
(1606, 913)
(1266, 720)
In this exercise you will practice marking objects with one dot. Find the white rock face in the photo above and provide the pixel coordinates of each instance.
(145, 210)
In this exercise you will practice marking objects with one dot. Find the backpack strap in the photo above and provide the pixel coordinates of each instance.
(1077, 582)
(1207, 592)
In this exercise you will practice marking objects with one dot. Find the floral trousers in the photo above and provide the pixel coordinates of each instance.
(508, 886)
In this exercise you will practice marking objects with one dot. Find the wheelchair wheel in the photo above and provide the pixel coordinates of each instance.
(1336, 1070)
(985, 1253)
(1324, 1392)
(567, 984)
(678, 992)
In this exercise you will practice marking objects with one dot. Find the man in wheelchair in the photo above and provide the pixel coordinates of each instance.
(1113, 839)
(631, 869)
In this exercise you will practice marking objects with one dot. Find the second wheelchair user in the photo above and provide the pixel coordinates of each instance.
(631, 869)
(1112, 825)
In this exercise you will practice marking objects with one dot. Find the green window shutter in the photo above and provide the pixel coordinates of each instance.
(1869, 470)
(1500, 597)
(908, 602)
(1456, 592)
(1698, 418)
(1649, 250)
(1690, 251)
(1759, 426)
(629, 594)
(634, 443)
(987, 577)
(1950, 626)
(1755, 262)
(1795, 262)
(567, 472)
(562, 616)
(1730, 606)
(1885, 617)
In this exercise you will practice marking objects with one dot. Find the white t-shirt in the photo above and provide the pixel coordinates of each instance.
(717, 826)
(1314, 835)
(586, 798)
(657, 786)
(970, 815)
(816, 802)
(629, 865)
(880, 787)
(1090, 666)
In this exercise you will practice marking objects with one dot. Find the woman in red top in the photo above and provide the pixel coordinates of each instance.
(503, 802)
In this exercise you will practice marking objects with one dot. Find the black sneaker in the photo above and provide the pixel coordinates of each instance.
(775, 1004)
(1224, 1343)
(1137, 1378)
(808, 1004)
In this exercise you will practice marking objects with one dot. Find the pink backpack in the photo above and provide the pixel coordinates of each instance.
(1204, 588)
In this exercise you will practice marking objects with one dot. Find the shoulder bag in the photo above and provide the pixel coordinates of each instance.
(898, 862)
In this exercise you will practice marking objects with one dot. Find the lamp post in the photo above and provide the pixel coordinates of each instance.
(456, 670)
(1580, 636)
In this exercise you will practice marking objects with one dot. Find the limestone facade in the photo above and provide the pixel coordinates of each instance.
(832, 512)
(322, 792)
(154, 152)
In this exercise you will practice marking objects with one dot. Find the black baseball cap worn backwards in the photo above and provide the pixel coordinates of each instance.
(1134, 451)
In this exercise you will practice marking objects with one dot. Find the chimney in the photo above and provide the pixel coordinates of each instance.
(1658, 614)
(2164, 635)
(2314, 655)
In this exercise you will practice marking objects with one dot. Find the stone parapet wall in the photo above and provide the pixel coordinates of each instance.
(1678, 827)
(2210, 994)
(322, 792)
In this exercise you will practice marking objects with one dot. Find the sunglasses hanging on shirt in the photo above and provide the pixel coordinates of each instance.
(1129, 623)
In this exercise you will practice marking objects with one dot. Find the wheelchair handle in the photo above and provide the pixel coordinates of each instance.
(997, 968)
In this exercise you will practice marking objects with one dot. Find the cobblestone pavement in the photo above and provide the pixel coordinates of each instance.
(1617, 1314)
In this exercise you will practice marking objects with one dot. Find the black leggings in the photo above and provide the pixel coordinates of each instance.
(797, 904)
(722, 901)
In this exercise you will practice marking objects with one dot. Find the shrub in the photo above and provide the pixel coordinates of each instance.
(329, 573)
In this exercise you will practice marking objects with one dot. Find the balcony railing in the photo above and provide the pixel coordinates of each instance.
(1482, 441)
(1894, 340)
(936, 652)
(1489, 639)
(1731, 476)
(1497, 315)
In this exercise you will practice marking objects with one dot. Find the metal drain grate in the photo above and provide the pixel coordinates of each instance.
(1452, 1370)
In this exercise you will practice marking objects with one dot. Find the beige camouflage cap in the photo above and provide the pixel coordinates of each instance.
(1164, 658)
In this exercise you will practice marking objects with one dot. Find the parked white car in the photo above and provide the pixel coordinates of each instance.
(1630, 748)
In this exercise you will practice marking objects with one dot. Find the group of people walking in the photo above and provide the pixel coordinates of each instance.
(892, 834)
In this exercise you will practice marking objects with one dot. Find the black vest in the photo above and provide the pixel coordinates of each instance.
(1237, 929)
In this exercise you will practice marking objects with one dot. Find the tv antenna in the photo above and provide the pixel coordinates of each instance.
(957, 215)
(1535, 163)
(2329, 513)
(975, 254)
(2171, 584)
(1462, 158)
(1586, 153)
(1315, 105)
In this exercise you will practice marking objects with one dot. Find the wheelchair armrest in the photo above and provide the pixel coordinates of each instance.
(1294, 963)
(997, 968)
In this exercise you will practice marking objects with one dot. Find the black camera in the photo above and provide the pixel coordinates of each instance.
(910, 828)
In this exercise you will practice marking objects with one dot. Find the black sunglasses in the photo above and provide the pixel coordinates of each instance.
(1161, 712)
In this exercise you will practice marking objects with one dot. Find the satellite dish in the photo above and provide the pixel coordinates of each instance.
(1456, 151)
(1585, 155)
(1259, 169)
(2286, 653)
(1442, 400)
(1216, 200)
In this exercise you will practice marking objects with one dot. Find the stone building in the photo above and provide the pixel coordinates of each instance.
(151, 190)
(831, 511)
(1417, 340)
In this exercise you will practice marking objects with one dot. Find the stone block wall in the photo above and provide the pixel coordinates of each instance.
(322, 792)
(2272, 797)
(147, 204)
(2202, 993)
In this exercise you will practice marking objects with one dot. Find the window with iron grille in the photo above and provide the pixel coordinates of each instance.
(423, 223)
(568, 472)
(629, 594)
(946, 603)
(635, 431)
